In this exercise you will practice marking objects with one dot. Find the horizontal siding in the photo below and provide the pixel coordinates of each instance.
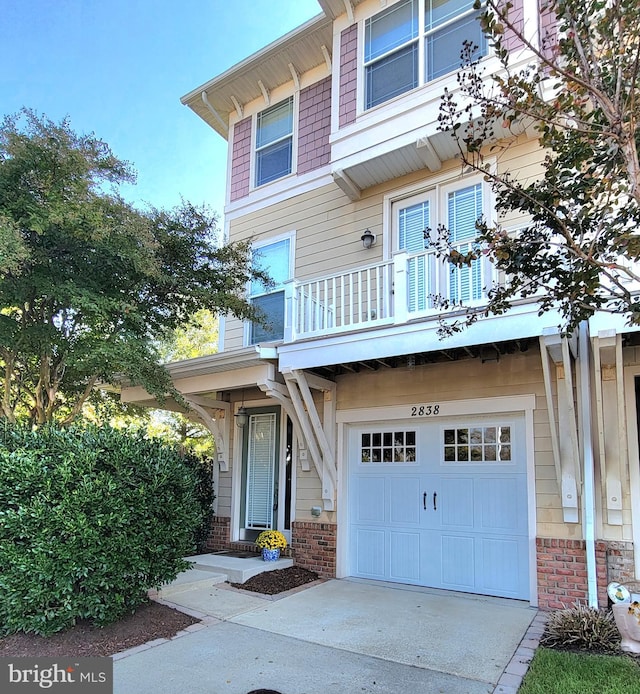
(516, 374)
(223, 494)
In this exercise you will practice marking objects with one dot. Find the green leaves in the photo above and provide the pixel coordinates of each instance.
(91, 520)
(90, 284)
(579, 90)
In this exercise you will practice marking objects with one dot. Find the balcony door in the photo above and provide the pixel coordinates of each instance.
(419, 220)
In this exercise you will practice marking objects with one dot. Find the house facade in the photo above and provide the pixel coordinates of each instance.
(498, 460)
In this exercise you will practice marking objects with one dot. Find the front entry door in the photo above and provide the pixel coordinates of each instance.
(261, 471)
(441, 504)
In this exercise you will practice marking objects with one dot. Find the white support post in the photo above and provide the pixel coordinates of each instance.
(319, 445)
(611, 422)
(565, 448)
(280, 393)
(400, 294)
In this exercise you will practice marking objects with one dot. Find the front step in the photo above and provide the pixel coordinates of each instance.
(236, 570)
(192, 578)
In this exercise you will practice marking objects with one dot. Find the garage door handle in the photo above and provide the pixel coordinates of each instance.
(424, 501)
(435, 496)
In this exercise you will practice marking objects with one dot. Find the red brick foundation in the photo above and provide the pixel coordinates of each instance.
(314, 547)
(219, 534)
(562, 572)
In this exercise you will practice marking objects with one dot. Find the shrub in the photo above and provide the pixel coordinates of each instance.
(90, 519)
(582, 627)
(202, 467)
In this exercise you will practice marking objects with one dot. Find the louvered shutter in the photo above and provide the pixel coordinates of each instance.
(261, 459)
(464, 209)
(412, 222)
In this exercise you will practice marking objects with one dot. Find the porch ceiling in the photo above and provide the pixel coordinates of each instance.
(486, 353)
(380, 162)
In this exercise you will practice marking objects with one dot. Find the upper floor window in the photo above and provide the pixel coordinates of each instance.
(416, 220)
(274, 142)
(275, 259)
(415, 41)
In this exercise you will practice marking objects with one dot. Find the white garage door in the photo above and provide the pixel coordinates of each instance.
(441, 504)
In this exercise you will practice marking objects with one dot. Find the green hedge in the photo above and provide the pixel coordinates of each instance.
(90, 519)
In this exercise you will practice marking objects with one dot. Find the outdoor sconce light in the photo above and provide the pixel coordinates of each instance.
(368, 239)
(241, 417)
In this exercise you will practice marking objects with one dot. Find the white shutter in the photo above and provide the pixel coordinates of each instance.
(412, 223)
(261, 459)
(464, 209)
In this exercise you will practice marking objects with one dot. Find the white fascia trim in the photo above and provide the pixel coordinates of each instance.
(278, 191)
(396, 340)
(226, 361)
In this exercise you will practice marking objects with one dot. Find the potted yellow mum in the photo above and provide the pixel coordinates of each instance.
(271, 542)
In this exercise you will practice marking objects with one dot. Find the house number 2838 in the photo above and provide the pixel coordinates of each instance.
(424, 410)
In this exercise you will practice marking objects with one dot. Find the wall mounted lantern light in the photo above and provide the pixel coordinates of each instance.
(241, 416)
(368, 239)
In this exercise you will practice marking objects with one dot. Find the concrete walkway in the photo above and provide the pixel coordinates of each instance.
(338, 636)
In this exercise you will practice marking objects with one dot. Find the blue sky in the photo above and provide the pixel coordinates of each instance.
(119, 67)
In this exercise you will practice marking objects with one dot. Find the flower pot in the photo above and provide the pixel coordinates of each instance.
(628, 625)
(270, 554)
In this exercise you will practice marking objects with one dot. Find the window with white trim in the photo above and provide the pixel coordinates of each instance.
(275, 259)
(274, 142)
(415, 41)
(416, 221)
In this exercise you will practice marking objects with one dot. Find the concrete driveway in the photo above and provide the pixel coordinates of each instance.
(338, 636)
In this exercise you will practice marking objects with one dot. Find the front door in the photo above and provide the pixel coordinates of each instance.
(441, 504)
(261, 447)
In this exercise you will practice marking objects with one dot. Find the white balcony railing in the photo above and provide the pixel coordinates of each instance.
(386, 293)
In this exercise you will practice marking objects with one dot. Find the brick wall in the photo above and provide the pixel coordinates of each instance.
(620, 562)
(314, 126)
(562, 572)
(241, 159)
(314, 547)
(219, 534)
(348, 75)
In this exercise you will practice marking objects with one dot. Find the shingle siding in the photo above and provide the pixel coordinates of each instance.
(314, 126)
(241, 160)
(348, 75)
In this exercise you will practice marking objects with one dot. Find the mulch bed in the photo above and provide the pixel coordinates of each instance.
(273, 582)
(150, 621)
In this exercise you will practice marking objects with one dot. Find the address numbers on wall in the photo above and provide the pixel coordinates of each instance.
(425, 410)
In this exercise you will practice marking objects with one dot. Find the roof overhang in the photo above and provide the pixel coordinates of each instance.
(214, 373)
(302, 49)
(334, 8)
(383, 161)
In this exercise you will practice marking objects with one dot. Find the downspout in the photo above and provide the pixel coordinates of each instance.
(589, 499)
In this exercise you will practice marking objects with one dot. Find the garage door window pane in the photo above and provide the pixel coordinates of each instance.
(388, 447)
(477, 444)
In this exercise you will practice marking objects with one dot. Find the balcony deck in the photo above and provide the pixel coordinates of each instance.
(393, 308)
